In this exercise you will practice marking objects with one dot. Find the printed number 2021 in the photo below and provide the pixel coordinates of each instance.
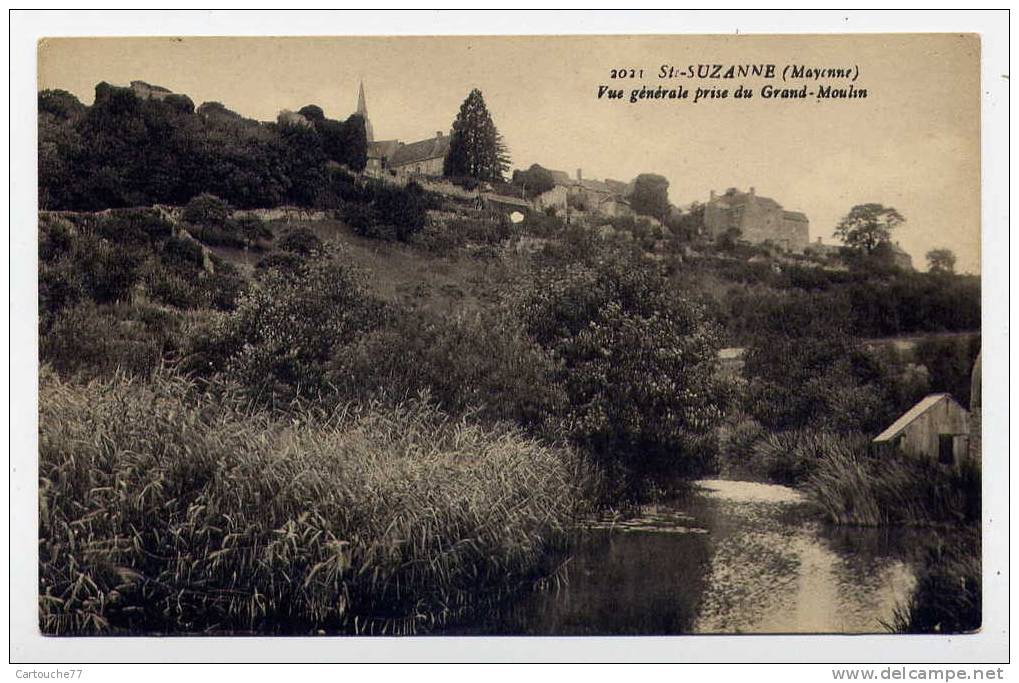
(626, 73)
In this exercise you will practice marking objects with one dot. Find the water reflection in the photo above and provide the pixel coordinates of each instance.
(731, 557)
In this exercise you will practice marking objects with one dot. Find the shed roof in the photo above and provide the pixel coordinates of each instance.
(907, 418)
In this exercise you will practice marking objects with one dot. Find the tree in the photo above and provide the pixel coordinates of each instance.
(941, 261)
(636, 362)
(868, 226)
(650, 196)
(534, 181)
(476, 149)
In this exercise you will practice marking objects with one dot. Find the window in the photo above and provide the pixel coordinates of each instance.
(946, 449)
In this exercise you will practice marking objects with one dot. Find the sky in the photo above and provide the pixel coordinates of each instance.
(912, 143)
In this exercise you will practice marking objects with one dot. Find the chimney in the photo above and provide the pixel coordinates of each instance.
(752, 191)
(819, 240)
(438, 133)
(580, 175)
(712, 195)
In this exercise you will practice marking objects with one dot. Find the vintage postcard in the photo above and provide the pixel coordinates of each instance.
(602, 335)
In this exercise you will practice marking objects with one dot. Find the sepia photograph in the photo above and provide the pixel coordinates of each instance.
(509, 335)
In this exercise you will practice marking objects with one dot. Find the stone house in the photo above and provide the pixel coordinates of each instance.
(758, 219)
(614, 206)
(936, 428)
(424, 157)
(554, 199)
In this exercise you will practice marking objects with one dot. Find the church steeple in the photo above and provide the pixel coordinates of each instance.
(362, 110)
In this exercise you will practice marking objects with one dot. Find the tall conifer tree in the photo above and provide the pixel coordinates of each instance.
(476, 149)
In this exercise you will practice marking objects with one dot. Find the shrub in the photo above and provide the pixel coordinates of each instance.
(169, 510)
(542, 224)
(480, 364)
(447, 232)
(284, 330)
(131, 226)
(108, 271)
(637, 362)
(394, 213)
(737, 436)
(300, 241)
(792, 457)
(90, 340)
(182, 252)
(206, 209)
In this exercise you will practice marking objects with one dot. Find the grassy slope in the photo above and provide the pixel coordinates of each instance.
(409, 274)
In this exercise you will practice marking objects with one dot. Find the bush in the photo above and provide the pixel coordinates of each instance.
(182, 252)
(446, 233)
(479, 364)
(206, 209)
(637, 363)
(301, 241)
(737, 436)
(91, 341)
(791, 458)
(169, 510)
(279, 340)
(394, 213)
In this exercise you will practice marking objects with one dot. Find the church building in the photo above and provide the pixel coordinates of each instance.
(424, 157)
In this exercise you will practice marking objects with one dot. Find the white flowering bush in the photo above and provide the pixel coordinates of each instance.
(637, 361)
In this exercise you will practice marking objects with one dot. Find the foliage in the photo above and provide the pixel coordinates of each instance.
(476, 149)
(948, 595)
(791, 458)
(637, 363)
(797, 366)
(301, 241)
(279, 340)
(206, 209)
(949, 362)
(89, 340)
(941, 261)
(394, 213)
(125, 151)
(168, 509)
(867, 226)
(650, 196)
(480, 364)
(860, 488)
(447, 232)
(535, 180)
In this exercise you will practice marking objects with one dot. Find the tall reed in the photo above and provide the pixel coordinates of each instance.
(165, 508)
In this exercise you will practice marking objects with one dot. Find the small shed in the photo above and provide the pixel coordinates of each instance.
(936, 427)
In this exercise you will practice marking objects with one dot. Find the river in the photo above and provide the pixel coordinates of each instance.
(726, 557)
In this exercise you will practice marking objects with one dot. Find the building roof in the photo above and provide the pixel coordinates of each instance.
(907, 418)
(595, 186)
(423, 150)
(795, 216)
(508, 201)
(382, 148)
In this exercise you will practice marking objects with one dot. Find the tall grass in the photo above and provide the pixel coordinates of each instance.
(948, 596)
(853, 487)
(165, 508)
